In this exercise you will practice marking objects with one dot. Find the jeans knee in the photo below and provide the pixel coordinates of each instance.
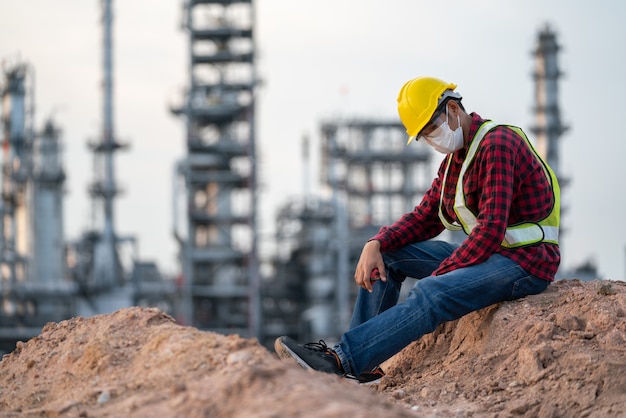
(529, 285)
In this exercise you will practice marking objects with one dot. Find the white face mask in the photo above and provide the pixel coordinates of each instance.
(444, 139)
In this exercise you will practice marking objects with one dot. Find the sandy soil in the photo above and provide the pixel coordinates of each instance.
(558, 354)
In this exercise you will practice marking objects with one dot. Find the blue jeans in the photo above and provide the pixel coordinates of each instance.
(381, 327)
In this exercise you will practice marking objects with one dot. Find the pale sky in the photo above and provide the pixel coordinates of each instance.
(310, 53)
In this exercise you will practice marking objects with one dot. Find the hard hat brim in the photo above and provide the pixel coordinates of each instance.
(411, 138)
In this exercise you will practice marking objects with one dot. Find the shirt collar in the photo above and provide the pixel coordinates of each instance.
(476, 122)
(459, 156)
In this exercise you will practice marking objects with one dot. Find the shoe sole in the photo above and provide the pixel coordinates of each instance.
(280, 349)
(371, 382)
(284, 352)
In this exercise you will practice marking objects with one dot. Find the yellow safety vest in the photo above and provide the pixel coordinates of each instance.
(520, 234)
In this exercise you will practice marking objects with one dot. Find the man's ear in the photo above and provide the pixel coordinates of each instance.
(453, 108)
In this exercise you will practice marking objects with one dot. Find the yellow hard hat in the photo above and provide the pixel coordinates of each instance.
(418, 99)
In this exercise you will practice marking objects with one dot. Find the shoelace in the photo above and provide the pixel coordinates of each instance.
(318, 346)
(321, 346)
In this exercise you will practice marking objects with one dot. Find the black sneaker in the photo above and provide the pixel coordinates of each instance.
(372, 377)
(317, 356)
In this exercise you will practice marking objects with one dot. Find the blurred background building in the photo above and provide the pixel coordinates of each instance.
(305, 288)
(215, 190)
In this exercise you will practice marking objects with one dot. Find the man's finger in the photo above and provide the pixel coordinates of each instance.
(367, 285)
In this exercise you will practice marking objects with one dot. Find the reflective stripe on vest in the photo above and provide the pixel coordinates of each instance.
(518, 235)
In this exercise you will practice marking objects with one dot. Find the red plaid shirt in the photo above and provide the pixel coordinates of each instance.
(504, 185)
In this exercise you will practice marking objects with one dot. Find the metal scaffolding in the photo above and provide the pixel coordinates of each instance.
(215, 187)
(300, 298)
(370, 169)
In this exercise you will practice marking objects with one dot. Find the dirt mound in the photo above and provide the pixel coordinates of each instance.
(558, 354)
(561, 353)
(138, 362)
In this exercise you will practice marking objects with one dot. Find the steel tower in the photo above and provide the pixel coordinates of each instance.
(215, 188)
(548, 127)
(106, 270)
(48, 257)
(17, 141)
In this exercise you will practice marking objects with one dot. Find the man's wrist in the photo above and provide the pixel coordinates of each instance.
(374, 242)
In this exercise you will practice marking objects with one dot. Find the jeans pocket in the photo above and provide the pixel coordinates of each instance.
(528, 285)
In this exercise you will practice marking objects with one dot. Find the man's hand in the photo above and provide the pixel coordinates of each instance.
(370, 266)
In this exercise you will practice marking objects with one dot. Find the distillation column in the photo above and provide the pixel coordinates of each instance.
(48, 262)
(17, 139)
(106, 271)
(548, 127)
(217, 177)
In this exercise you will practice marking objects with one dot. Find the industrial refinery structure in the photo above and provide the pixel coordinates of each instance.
(32, 269)
(371, 178)
(215, 191)
(43, 276)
